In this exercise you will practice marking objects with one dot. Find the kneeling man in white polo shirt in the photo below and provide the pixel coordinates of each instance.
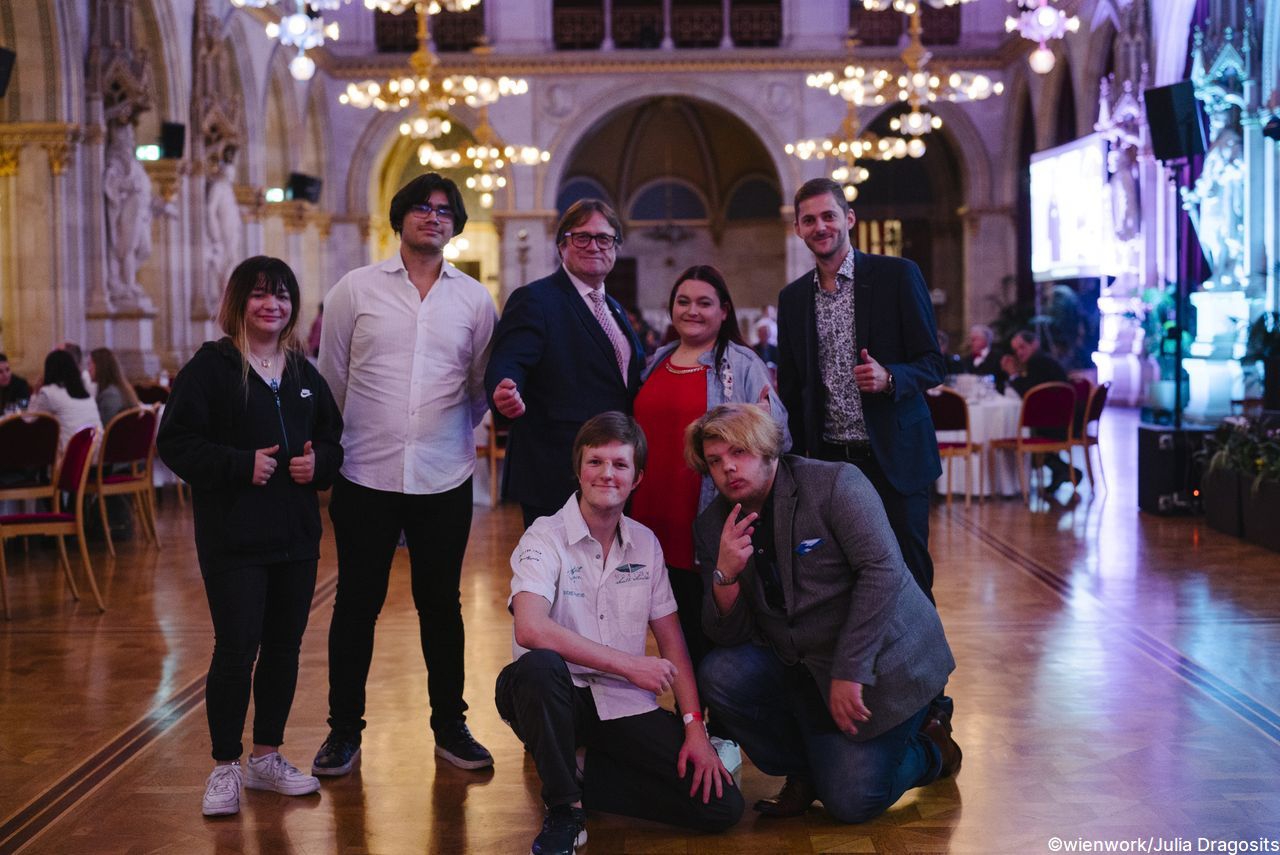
(587, 582)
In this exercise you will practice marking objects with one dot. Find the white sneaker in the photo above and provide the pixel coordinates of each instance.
(222, 790)
(273, 772)
(730, 755)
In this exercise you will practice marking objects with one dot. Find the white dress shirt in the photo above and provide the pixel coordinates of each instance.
(408, 375)
(584, 291)
(609, 601)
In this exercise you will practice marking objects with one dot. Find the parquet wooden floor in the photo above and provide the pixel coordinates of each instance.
(1118, 681)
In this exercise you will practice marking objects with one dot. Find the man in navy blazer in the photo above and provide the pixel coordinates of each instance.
(858, 347)
(554, 363)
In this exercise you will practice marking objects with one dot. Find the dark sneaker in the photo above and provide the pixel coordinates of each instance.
(337, 756)
(455, 743)
(563, 831)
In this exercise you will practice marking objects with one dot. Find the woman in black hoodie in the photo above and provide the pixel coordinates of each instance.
(252, 427)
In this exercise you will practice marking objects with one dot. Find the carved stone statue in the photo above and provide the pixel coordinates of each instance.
(1216, 204)
(223, 225)
(129, 208)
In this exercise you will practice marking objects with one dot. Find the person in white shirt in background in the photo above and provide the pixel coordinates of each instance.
(588, 585)
(403, 347)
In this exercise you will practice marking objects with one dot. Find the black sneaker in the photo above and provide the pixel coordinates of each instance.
(455, 743)
(563, 831)
(337, 756)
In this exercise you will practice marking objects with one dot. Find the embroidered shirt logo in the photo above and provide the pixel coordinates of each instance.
(306, 393)
(631, 573)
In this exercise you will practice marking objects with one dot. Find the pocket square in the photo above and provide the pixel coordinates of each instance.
(807, 546)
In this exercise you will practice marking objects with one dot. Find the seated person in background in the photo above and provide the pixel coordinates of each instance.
(587, 582)
(1029, 366)
(62, 394)
(13, 389)
(983, 356)
(830, 653)
(115, 393)
(953, 361)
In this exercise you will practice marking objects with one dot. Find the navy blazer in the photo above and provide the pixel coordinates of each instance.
(552, 346)
(894, 319)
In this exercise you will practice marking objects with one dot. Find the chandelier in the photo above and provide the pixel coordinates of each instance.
(850, 144)
(300, 30)
(908, 7)
(1039, 21)
(427, 94)
(488, 156)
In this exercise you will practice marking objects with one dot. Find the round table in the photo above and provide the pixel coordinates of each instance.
(990, 417)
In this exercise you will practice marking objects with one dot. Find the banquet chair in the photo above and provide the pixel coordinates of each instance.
(1083, 387)
(494, 450)
(1048, 406)
(1085, 440)
(124, 468)
(28, 455)
(72, 475)
(950, 412)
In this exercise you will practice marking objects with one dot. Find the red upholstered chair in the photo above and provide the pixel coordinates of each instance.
(28, 455)
(1084, 439)
(950, 412)
(124, 468)
(1049, 406)
(1084, 388)
(71, 478)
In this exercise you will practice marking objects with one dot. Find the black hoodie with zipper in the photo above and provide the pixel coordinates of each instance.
(215, 421)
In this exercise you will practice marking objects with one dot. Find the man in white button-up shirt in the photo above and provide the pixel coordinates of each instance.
(588, 586)
(403, 347)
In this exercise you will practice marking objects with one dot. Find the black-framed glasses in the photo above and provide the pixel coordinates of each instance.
(582, 240)
(444, 212)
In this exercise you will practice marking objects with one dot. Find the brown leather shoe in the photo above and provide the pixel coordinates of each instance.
(938, 729)
(795, 797)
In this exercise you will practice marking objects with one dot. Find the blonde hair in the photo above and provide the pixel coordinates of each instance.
(744, 426)
(107, 371)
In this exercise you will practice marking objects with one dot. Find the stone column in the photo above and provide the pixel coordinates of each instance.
(607, 42)
(726, 37)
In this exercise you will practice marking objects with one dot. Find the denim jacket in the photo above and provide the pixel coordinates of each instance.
(741, 378)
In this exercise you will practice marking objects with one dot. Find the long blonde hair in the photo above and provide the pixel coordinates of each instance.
(107, 373)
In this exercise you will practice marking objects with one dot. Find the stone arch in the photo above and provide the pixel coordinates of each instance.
(282, 119)
(250, 169)
(171, 62)
(47, 84)
(315, 150)
(1101, 43)
(579, 126)
(976, 183)
(1018, 91)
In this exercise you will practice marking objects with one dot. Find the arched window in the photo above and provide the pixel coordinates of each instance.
(580, 187)
(754, 199)
(667, 200)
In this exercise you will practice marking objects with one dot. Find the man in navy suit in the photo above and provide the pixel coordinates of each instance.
(562, 353)
(858, 347)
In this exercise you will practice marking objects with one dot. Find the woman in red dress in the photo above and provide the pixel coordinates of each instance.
(707, 365)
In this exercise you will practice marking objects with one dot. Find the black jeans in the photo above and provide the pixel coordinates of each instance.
(908, 515)
(631, 761)
(367, 525)
(258, 613)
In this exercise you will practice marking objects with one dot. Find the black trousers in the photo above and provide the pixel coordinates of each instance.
(630, 763)
(258, 613)
(908, 514)
(367, 525)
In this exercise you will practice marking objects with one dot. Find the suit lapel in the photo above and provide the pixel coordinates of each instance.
(861, 299)
(588, 318)
(784, 513)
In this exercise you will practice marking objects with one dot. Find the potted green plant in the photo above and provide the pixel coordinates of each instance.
(1263, 345)
(1226, 480)
(1261, 509)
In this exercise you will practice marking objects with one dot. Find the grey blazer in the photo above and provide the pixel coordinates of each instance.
(853, 611)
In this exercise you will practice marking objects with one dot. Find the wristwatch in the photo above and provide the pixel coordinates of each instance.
(723, 580)
(889, 384)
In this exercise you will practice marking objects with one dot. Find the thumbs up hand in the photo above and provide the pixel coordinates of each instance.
(302, 469)
(871, 376)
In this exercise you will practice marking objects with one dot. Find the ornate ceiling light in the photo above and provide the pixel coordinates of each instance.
(488, 156)
(908, 7)
(426, 92)
(299, 29)
(1039, 21)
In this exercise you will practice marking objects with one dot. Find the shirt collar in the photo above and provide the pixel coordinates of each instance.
(843, 275)
(575, 527)
(395, 264)
(582, 287)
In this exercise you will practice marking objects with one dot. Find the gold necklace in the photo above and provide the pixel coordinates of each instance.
(264, 361)
(692, 370)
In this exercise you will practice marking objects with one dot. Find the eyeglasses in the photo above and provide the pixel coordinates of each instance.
(444, 212)
(582, 240)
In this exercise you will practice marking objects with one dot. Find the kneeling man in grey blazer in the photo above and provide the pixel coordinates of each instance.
(829, 654)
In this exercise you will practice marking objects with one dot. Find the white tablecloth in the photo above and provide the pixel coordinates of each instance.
(993, 417)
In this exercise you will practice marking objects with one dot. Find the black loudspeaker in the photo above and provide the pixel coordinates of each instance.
(6, 68)
(303, 186)
(1176, 121)
(1170, 463)
(173, 140)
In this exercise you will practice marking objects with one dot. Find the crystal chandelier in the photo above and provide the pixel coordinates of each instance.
(488, 156)
(427, 94)
(848, 145)
(1039, 21)
(908, 7)
(300, 30)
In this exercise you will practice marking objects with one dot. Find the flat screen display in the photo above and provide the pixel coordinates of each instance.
(1071, 223)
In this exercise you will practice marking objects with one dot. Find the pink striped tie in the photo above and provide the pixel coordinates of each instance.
(611, 330)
